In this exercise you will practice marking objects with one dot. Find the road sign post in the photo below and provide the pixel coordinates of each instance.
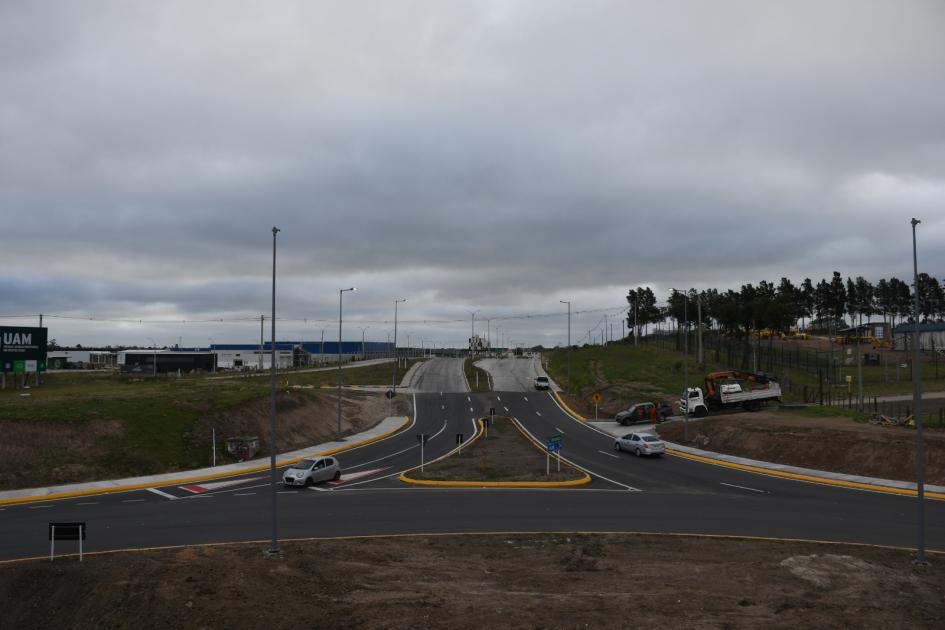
(554, 446)
(65, 531)
(596, 398)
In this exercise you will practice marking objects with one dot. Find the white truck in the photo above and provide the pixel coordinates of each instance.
(729, 389)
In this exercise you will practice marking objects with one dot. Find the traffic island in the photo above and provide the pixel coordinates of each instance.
(500, 455)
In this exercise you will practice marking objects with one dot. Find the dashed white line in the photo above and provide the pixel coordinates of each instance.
(287, 492)
(506, 408)
(538, 413)
(468, 399)
(37, 507)
(88, 503)
(499, 398)
(609, 454)
(471, 410)
(244, 494)
(132, 500)
(526, 398)
(732, 485)
(558, 429)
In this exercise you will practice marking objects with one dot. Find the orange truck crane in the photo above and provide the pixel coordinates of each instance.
(729, 389)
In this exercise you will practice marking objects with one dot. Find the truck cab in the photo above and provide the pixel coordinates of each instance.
(693, 400)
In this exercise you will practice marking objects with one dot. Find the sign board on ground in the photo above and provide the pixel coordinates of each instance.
(554, 443)
(596, 398)
(22, 349)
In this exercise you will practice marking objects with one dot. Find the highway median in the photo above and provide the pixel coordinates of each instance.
(500, 455)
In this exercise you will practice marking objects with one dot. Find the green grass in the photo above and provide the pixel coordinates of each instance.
(477, 377)
(152, 418)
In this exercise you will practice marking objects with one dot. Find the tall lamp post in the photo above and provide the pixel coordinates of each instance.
(341, 293)
(472, 332)
(569, 341)
(274, 475)
(685, 360)
(153, 357)
(393, 380)
(917, 404)
(363, 354)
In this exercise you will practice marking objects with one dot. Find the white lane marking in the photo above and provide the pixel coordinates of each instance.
(288, 492)
(198, 488)
(506, 408)
(132, 500)
(582, 468)
(526, 398)
(468, 399)
(88, 503)
(244, 494)
(471, 410)
(161, 494)
(499, 398)
(442, 407)
(732, 485)
(609, 454)
(538, 413)
(37, 507)
(558, 429)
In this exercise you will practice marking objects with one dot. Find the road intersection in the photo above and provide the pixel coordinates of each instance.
(669, 494)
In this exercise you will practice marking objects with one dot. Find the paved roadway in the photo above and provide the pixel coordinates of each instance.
(668, 494)
(439, 374)
(514, 374)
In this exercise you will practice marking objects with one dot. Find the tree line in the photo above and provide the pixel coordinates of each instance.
(779, 307)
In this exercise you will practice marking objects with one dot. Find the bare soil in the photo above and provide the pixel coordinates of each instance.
(305, 418)
(836, 444)
(505, 455)
(499, 581)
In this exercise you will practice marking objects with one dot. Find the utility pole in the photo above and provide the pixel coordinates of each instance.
(917, 403)
(273, 473)
(569, 341)
(636, 324)
(363, 354)
(341, 292)
(699, 334)
(262, 351)
(393, 382)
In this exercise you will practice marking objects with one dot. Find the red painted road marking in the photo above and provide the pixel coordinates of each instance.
(198, 488)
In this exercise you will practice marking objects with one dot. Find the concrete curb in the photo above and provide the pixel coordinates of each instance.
(382, 430)
(490, 484)
(892, 486)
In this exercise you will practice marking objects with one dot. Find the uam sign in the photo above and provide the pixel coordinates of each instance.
(21, 346)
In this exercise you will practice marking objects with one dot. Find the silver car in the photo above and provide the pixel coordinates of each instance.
(640, 444)
(312, 470)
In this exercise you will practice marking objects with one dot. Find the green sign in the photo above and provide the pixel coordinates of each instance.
(22, 349)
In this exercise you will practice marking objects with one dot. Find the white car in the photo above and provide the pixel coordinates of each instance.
(542, 382)
(312, 470)
(640, 444)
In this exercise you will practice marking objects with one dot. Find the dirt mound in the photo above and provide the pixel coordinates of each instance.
(304, 417)
(836, 444)
(501, 581)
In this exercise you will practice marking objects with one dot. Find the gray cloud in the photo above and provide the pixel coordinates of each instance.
(472, 155)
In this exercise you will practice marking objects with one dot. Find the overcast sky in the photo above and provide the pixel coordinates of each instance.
(497, 156)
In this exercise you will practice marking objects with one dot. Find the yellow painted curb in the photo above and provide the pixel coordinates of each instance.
(493, 484)
(182, 480)
(475, 533)
(802, 477)
(575, 414)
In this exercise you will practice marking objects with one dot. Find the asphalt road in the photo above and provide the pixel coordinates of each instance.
(440, 374)
(667, 494)
(513, 374)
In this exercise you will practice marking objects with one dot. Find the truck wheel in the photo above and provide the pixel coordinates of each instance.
(701, 412)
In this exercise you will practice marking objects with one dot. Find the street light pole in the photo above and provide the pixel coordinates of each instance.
(393, 381)
(363, 354)
(341, 292)
(569, 341)
(685, 361)
(274, 475)
(917, 404)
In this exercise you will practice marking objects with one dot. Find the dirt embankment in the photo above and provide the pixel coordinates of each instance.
(304, 418)
(502, 581)
(836, 444)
